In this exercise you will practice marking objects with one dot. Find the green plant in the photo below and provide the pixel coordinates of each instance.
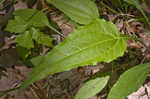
(92, 87)
(95, 41)
(26, 24)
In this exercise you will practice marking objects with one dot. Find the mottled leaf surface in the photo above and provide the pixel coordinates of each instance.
(99, 41)
(92, 87)
(129, 81)
(81, 11)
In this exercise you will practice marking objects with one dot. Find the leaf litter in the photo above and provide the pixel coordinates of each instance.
(79, 75)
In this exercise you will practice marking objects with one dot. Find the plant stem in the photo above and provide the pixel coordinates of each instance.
(112, 10)
(52, 28)
(2, 93)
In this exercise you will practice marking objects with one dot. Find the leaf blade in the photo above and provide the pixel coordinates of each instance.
(26, 18)
(41, 38)
(16, 26)
(81, 11)
(33, 17)
(92, 87)
(129, 81)
(99, 44)
(25, 40)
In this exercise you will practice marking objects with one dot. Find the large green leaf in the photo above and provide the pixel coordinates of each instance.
(81, 11)
(41, 38)
(92, 87)
(25, 19)
(25, 40)
(99, 41)
(129, 81)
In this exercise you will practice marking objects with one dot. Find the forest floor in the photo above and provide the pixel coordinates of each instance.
(66, 84)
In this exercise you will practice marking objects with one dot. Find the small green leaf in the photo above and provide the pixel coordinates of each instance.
(129, 81)
(81, 11)
(99, 41)
(33, 17)
(40, 37)
(25, 14)
(16, 26)
(25, 40)
(26, 18)
(92, 87)
(137, 4)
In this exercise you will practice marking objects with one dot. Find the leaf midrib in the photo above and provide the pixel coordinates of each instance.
(50, 72)
(44, 68)
(86, 49)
